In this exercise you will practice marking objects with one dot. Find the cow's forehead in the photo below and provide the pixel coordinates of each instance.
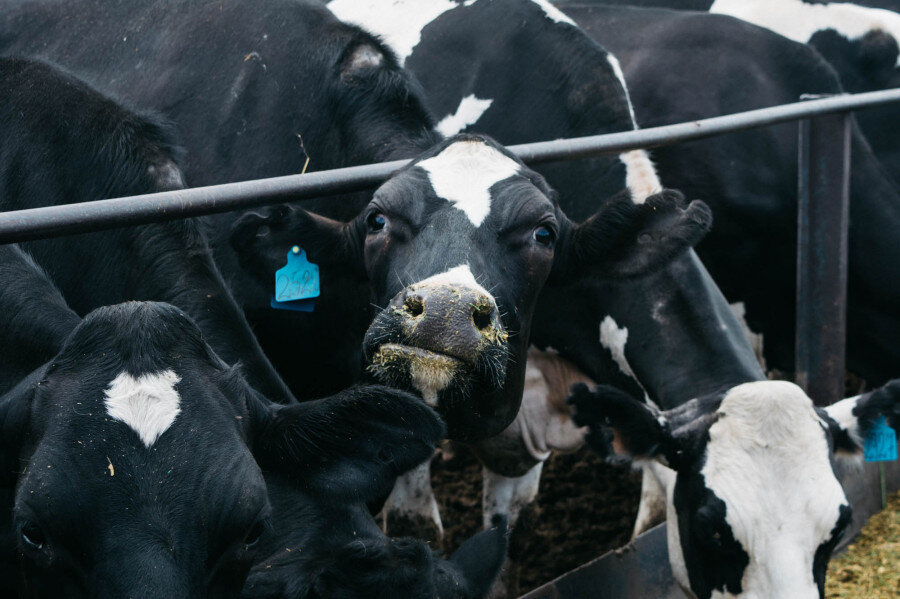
(769, 461)
(463, 174)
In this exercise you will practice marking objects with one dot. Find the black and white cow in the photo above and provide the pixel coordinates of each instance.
(472, 59)
(133, 457)
(859, 39)
(48, 158)
(754, 506)
(750, 177)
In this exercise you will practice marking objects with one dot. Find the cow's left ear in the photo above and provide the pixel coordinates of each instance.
(624, 239)
(262, 240)
(15, 421)
(877, 54)
(352, 445)
(850, 420)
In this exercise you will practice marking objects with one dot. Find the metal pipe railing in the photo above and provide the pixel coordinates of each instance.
(53, 221)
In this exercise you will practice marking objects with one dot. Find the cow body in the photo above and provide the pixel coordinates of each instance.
(750, 177)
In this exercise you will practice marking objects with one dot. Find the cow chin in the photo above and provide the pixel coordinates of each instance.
(449, 383)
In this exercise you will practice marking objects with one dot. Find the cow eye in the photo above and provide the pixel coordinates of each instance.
(543, 235)
(32, 536)
(376, 221)
(255, 534)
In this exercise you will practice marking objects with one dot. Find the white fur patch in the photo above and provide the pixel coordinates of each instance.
(398, 23)
(640, 175)
(768, 460)
(463, 174)
(614, 338)
(507, 496)
(413, 496)
(617, 69)
(458, 276)
(148, 404)
(469, 111)
(798, 20)
(554, 13)
(842, 413)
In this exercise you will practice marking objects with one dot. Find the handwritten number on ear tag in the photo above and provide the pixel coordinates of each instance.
(881, 442)
(297, 280)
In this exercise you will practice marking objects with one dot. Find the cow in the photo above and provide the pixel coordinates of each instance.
(859, 39)
(753, 503)
(471, 59)
(119, 153)
(750, 177)
(135, 456)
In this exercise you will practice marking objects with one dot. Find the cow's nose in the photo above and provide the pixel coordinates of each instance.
(450, 319)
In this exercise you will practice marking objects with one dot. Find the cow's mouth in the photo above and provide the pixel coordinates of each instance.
(427, 371)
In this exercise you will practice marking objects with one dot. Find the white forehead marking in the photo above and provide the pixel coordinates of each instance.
(463, 174)
(554, 13)
(459, 276)
(798, 20)
(148, 403)
(469, 111)
(398, 23)
(768, 460)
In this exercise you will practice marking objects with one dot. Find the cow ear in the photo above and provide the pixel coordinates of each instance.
(15, 421)
(350, 445)
(877, 54)
(617, 422)
(262, 240)
(474, 567)
(624, 239)
(850, 420)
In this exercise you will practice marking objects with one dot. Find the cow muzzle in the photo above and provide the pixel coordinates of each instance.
(435, 335)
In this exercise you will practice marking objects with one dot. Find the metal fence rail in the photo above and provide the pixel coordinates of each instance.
(53, 221)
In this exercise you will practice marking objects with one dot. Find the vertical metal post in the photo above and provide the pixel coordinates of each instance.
(823, 214)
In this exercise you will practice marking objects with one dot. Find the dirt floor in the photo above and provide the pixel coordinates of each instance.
(585, 508)
(870, 567)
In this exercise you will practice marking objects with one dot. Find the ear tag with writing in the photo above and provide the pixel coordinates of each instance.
(297, 283)
(881, 442)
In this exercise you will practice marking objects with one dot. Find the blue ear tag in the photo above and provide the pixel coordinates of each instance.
(881, 442)
(297, 283)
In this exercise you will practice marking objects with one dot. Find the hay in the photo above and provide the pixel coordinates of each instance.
(870, 567)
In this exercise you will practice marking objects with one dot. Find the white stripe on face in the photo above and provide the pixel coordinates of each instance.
(463, 174)
(798, 20)
(148, 404)
(469, 111)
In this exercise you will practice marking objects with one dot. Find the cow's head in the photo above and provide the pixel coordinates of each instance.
(455, 248)
(319, 547)
(754, 506)
(135, 455)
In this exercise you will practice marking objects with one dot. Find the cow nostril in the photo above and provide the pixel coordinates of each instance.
(414, 305)
(481, 315)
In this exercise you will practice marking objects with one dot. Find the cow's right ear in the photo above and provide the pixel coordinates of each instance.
(624, 239)
(262, 240)
(15, 420)
(352, 445)
(617, 422)
(850, 420)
